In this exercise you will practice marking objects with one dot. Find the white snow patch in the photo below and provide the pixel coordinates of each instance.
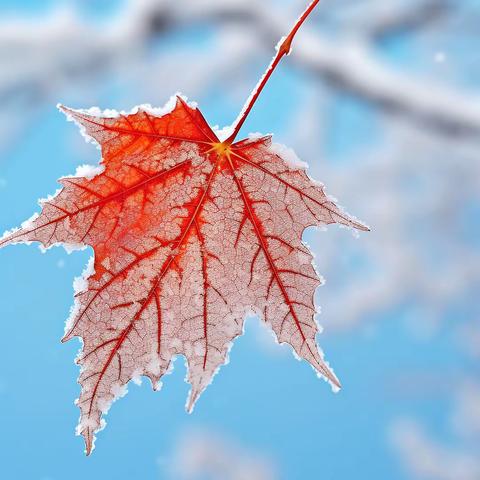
(89, 171)
(7, 233)
(27, 224)
(289, 156)
(222, 133)
(111, 113)
(335, 388)
(92, 425)
(154, 366)
(73, 247)
(86, 423)
(137, 377)
(80, 284)
(83, 131)
(118, 390)
(253, 136)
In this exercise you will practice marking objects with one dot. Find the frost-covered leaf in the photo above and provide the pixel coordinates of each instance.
(190, 234)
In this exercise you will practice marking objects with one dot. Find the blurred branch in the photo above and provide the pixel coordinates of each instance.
(51, 55)
(352, 68)
(401, 17)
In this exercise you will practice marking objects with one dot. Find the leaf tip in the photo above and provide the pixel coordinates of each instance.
(183, 101)
(331, 378)
(362, 227)
(326, 372)
(65, 110)
(88, 442)
(337, 386)
(192, 400)
(358, 225)
(67, 336)
(179, 97)
(70, 113)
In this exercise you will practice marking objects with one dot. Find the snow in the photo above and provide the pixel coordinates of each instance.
(89, 171)
(111, 113)
(289, 156)
(80, 284)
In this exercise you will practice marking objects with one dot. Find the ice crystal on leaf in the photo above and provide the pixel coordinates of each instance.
(190, 234)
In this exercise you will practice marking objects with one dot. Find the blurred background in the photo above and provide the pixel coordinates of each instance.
(382, 99)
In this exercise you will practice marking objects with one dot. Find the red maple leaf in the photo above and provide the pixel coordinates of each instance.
(190, 234)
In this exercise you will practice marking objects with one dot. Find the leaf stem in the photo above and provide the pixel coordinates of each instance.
(283, 49)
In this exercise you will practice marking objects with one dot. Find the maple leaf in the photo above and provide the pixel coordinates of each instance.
(190, 234)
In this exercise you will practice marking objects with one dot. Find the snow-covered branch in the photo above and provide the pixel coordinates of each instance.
(399, 16)
(39, 58)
